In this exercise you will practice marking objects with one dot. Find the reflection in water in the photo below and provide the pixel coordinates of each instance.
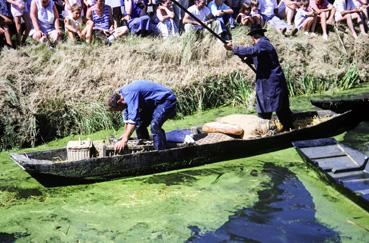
(284, 213)
(359, 137)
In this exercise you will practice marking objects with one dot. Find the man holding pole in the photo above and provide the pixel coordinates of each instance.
(271, 86)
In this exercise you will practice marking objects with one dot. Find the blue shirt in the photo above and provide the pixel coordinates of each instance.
(142, 96)
(214, 7)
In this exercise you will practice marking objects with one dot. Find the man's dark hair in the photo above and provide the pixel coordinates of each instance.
(113, 100)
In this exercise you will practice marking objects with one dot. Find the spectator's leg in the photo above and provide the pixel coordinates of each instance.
(350, 25)
(117, 15)
(89, 31)
(28, 23)
(323, 23)
(70, 36)
(8, 38)
(18, 28)
(361, 21)
(290, 13)
(308, 23)
(54, 37)
(330, 20)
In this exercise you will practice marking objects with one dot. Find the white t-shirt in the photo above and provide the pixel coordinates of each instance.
(200, 14)
(342, 5)
(267, 7)
(300, 17)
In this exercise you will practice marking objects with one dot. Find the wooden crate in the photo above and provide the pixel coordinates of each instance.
(78, 150)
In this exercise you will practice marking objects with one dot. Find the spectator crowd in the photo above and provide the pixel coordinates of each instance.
(51, 21)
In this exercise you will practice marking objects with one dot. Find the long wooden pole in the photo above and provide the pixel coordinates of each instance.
(208, 29)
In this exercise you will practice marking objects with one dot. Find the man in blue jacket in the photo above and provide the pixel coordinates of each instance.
(144, 103)
(271, 86)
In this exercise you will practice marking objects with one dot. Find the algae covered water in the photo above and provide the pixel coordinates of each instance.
(273, 197)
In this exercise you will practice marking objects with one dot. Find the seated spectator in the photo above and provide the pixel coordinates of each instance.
(223, 13)
(347, 11)
(5, 22)
(200, 11)
(68, 7)
(101, 16)
(20, 12)
(269, 11)
(363, 5)
(305, 18)
(45, 20)
(325, 12)
(116, 11)
(74, 25)
(138, 21)
(244, 17)
(165, 13)
(288, 9)
(235, 5)
(179, 13)
(255, 12)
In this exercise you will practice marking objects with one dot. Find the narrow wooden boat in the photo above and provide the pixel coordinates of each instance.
(359, 104)
(51, 169)
(344, 167)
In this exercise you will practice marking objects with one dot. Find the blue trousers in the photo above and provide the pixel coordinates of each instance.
(156, 119)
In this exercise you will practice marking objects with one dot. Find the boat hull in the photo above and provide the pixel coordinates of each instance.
(359, 104)
(49, 173)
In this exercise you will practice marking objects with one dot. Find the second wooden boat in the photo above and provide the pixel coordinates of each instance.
(344, 167)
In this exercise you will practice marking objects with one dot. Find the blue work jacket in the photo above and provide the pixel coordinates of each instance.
(271, 86)
(142, 97)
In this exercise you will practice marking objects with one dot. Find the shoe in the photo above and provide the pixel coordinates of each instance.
(107, 42)
(283, 31)
(306, 33)
(325, 37)
(312, 34)
(294, 31)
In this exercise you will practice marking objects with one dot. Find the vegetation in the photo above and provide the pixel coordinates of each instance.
(53, 93)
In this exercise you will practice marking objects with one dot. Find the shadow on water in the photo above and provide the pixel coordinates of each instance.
(189, 177)
(9, 238)
(285, 212)
(22, 193)
(358, 137)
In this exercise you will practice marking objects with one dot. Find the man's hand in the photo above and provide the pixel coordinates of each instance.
(119, 146)
(229, 46)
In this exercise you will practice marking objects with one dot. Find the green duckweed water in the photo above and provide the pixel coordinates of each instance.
(167, 207)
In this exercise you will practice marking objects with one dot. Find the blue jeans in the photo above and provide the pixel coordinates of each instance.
(161, 113)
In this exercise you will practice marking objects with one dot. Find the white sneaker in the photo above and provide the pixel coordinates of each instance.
(31, 32)
(325, 37)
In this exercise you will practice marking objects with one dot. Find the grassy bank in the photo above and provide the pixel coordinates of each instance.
(53, 93)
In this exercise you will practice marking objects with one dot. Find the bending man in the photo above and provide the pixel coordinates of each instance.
(271, 86)
(144, 102)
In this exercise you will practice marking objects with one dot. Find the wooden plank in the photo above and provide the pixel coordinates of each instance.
(323, 152)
